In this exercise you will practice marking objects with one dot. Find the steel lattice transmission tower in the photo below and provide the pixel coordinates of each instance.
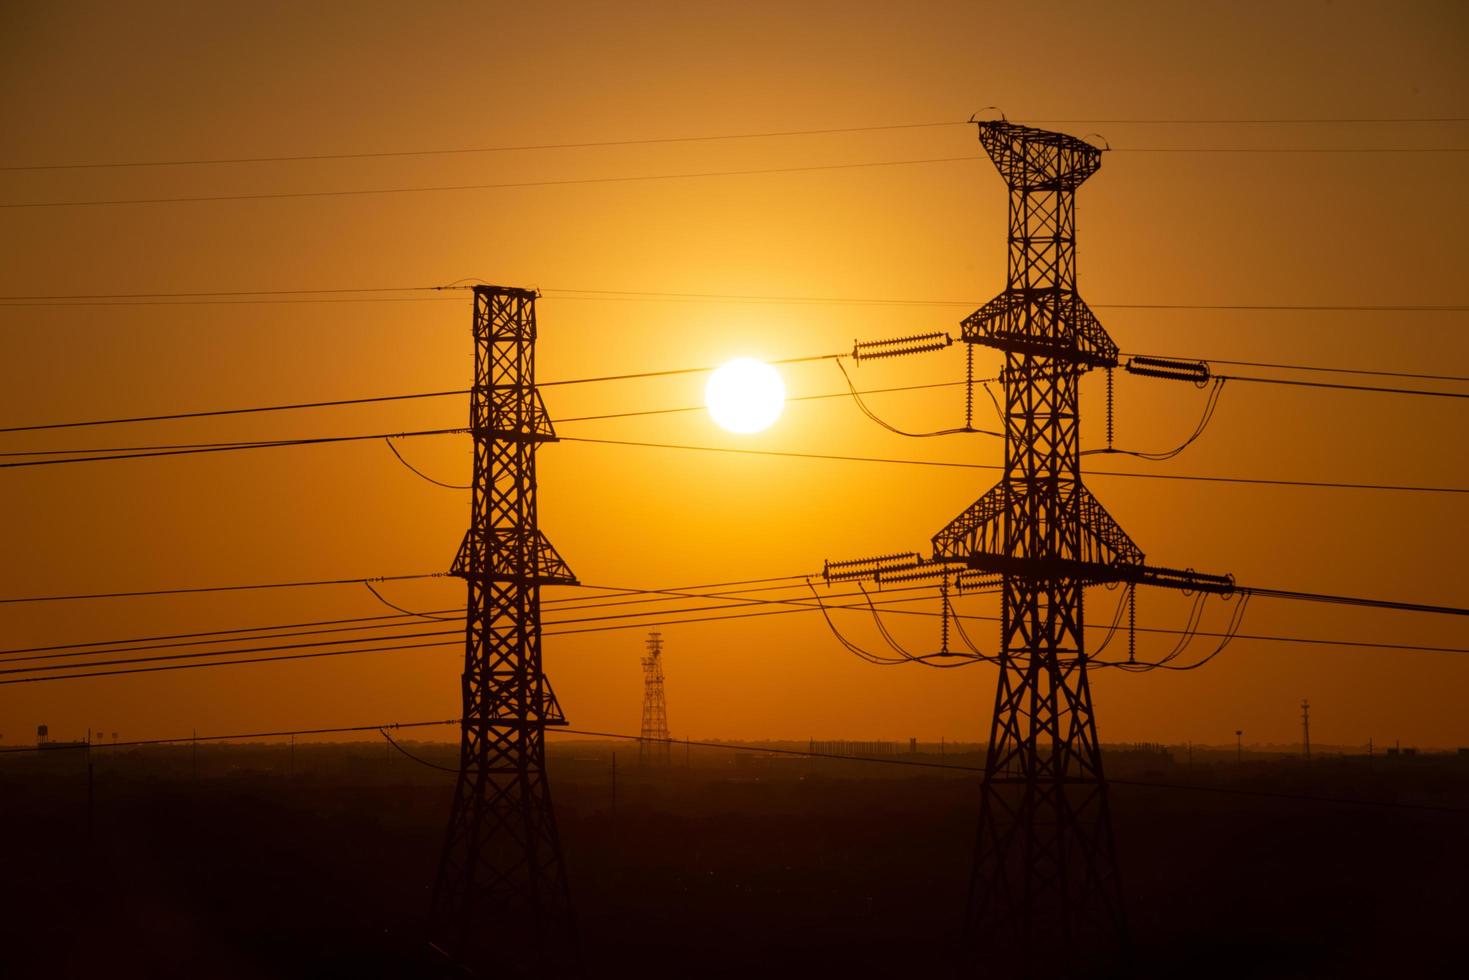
(654, 745)
(1045, 864)
(1045, 878)
(500, 899)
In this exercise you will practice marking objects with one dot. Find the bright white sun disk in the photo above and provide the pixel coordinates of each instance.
(745, 395)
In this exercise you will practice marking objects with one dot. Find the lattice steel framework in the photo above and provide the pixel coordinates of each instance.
(500, 900)
(654, 746)
(1045, 864)
(1045, 882)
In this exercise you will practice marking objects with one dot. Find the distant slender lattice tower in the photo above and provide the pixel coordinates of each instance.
(654, 746)
(500, 902)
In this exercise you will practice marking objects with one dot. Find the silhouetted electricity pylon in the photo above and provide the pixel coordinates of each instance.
(654, 746)
(1045, 876)
(500, 900)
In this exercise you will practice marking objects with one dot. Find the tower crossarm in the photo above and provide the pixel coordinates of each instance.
(515, 555)
(1038, 159)
(982, 527)
(1044, 569)
(1024, 321)
(512, 413)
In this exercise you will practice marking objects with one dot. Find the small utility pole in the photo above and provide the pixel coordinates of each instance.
(614, 783)
(90, 842)
(1306, 727)
(1239, 746)
(194, 756)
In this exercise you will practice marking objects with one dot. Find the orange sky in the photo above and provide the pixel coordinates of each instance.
(82, 83)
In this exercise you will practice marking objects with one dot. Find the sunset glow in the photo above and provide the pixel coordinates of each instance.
(745, 395)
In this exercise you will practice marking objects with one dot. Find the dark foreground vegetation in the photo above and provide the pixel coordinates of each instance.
(258, 861)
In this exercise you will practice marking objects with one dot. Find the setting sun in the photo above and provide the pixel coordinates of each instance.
(745, 395)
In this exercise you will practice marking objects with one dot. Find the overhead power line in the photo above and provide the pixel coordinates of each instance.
(194, 655)
(212, 656)
(609, 592)
(393, 398)
(1315, 368)
(175, 641)
(654, 140)
(615, 596)
(789, 606)
(551, 293)
(703, 138)
(785, 454)
(761, 171)
(1250, 121)
(255, 409)
(362, 294)
(503, 185)
(237, 736)
(145, 452)
(1342, 387)
(230, 663)
(991, 466)
(468, 150)
(1291, 149)
(1342, 600)
(254, 586)
(419, 395)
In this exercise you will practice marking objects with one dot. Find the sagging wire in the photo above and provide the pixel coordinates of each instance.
(999, 412)
(408, 612)
(1230, 632)
(421, 762)
(1211, 404)
(904, 656)
(862, 406)
(964, 636)
(1186, 638)
(882, 627)
(926, 659)
(420, 473)
(852, 648)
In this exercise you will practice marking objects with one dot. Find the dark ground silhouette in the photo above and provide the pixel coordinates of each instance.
(738, 865)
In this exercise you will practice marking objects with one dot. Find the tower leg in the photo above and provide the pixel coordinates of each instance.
(1045, 885)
